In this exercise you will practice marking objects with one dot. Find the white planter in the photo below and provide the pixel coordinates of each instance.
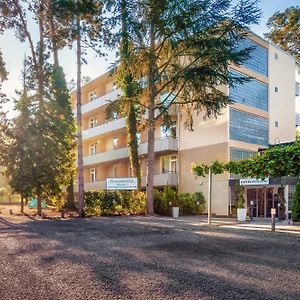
(175, 212)
(241, 214)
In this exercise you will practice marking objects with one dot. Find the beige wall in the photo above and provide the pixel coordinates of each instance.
(206, 132)
(282, 103)
(190, 183)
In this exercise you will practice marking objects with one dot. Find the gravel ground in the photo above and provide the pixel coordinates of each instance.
(144, 258)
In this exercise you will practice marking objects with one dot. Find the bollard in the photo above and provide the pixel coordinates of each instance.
(251, 209)
(273, 213)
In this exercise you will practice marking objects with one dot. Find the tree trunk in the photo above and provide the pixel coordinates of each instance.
(39, 205)
(151, 124)
(131, 122)
(79, 126)
(22, 204)
(52, 33)
(133, 145)
(70, 195)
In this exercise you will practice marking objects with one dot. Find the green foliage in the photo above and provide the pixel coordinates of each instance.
(239, 196)
(296, 203)
(114, 203)
(190, 204)
(285, 30)
(276, 161)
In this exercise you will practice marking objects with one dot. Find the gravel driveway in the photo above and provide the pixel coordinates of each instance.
(144, 258)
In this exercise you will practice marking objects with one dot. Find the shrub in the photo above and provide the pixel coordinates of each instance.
(114, 203)
(190, 204)
(296, 203)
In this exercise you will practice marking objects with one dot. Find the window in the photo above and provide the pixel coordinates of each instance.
(115, 143)
(114, 87)
(276, 123)
(240, 154)
(253, 93)
(93, 175)
(276, 89)
(93, 122)
(114, 116)
(115, 171)
(248, 128)
(297, 89)
(168, 131)
(93, 149)
(138, 138)
(92, 96)
(276, 56)
(258, 60)
(166, 99)
(169, 164)
(297, 119)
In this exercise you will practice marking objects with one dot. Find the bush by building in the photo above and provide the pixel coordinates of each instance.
(189, 204)
(103, 203)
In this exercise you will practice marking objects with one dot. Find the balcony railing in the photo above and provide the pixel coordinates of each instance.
(100, 101)
(160, 145)
(163, 179)
(103, 128)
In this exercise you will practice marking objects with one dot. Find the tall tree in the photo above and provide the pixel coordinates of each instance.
(284, 30)
(4, 123)
(182, 50)
(81, 21)
(125, 105)
(46, 99)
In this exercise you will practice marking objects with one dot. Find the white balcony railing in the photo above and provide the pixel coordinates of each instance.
(98, 102)
(162, 179)
(103, 128)
(94, 186)
(160, 145)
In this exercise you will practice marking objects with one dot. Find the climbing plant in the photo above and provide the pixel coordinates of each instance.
(276, 161)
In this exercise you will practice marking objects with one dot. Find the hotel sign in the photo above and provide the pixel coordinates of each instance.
(254, 181)
(121, 183)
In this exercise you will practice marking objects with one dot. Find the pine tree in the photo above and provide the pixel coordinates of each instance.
(182, 50)
(285, 30)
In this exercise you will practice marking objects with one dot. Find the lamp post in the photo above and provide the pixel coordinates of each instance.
(209, 197)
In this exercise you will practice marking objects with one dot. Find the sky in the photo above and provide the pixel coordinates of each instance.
(14, 51)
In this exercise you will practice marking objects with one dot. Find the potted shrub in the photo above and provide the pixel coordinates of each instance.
(170, 196)
(241, 210)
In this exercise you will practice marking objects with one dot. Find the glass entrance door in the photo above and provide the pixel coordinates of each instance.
(257, 197)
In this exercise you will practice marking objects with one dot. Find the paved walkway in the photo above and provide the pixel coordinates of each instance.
(255, 225)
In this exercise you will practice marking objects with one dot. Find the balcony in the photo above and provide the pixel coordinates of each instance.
(160, 145)
(103, 128)
(163, 179)
(105, 156)
(100, 101)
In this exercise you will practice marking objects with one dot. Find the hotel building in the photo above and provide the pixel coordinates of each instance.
(263, 114)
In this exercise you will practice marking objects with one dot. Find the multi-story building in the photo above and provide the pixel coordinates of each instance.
(261, 115)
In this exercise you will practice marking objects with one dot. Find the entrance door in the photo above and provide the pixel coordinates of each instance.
(256, 195)
(269, 201)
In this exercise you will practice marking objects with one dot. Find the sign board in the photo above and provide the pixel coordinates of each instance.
(273, 211)
(121, 183)
(254, 181)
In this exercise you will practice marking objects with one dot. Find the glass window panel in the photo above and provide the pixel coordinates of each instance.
(240, 154)
(248, 128)
(258, 60)
(253, 93)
